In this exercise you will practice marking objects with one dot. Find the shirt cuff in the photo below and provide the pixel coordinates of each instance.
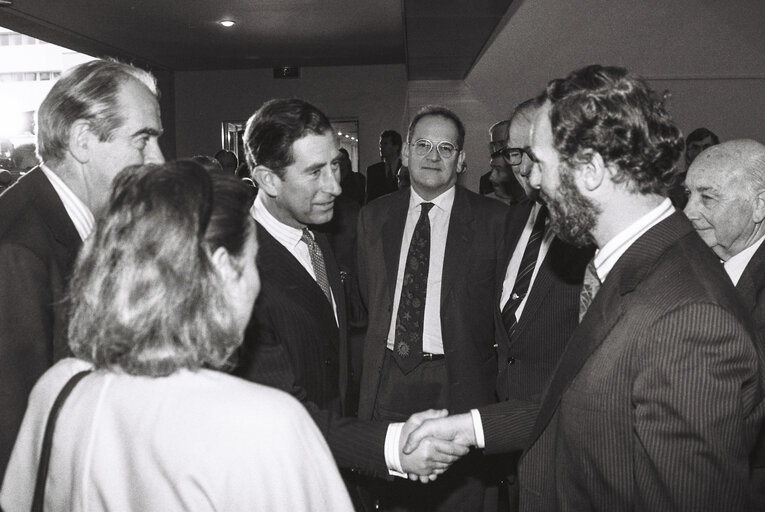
(478, 427)
(392, 454)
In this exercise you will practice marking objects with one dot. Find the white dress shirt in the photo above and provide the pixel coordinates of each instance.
(439, 217)
(515, 261)
(81, 216)
(289, 237)
(736, 265)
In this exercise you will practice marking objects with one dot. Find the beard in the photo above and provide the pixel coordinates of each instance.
(572, 216)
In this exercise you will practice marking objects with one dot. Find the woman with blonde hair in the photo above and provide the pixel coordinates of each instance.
(160, 298)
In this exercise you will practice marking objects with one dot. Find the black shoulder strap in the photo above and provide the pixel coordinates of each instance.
(42, 470)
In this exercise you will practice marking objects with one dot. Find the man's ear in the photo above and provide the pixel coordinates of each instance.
(267, 180)
(758, 213)
(222, 262)
(460, 161)
(593, 173)
(405, 154)
(80, 139)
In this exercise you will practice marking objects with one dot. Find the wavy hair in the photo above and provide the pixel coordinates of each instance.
(614, 113)
(145, 296)
(90, 92)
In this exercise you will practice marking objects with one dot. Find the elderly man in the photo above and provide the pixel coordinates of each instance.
(726, 185)
(658, 397)
(504, 183)
(98, 118)
(429, 265)
(297, 338)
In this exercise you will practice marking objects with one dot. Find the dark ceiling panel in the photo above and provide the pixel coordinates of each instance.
(185, 35)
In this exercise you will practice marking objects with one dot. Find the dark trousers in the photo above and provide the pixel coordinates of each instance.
(464, 486)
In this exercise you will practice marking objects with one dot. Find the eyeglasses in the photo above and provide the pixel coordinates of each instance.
(513, 156)
(423, 147)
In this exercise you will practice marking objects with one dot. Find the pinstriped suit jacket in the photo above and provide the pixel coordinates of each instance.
(293, 343)
(658, 396)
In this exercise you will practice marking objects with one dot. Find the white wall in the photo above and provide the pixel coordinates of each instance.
(373, 94)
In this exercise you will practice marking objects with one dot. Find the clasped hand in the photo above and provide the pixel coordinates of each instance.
(431, 442)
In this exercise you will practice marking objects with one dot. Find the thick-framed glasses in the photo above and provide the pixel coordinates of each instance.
(423, 147)
(513, 156)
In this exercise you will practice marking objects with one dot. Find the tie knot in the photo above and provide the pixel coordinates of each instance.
(425, 208)
(307, 238)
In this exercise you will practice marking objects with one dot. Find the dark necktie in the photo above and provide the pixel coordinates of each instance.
(590, 287)
(525, 271)
(317, 262)
(407, 349)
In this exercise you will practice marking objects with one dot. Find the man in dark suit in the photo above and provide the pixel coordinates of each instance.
(726, 185)
(97, 119)
(658, 396)
(429, 264)
(382, 177)
(297, 340)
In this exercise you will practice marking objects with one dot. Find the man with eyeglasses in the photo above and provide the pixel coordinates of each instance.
(429, 265)
(504, 184)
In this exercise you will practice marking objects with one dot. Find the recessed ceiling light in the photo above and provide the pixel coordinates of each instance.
(227, 23)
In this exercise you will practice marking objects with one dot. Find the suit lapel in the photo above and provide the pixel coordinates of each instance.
(458, 238)
(392, 234)
(752, 279)
(54, 214)
(607, 308)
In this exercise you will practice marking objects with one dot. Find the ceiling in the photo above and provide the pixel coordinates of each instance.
(436, 39)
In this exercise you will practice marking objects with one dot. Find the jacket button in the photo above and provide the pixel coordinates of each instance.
(510, 360)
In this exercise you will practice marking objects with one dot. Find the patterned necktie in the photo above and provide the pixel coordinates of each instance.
(411, 309)
(317, 262)
(525, 271)
(590, 288)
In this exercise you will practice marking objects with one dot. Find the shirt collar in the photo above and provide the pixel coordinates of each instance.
(444, 202)
(606, 258)
(78, 212)
(288, 236)
(736, 265)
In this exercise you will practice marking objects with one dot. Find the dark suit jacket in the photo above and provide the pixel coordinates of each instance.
(550, 315)
(293, 343)
(658, 396)
(38, 247)
(471, 268)
(378, 183)
(751, 289)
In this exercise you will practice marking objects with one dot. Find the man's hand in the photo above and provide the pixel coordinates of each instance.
(431, 456)
(454, 430)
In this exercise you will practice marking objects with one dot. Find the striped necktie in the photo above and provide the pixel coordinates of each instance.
(525, 271)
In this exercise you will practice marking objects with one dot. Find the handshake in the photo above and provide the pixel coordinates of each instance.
(431, 441)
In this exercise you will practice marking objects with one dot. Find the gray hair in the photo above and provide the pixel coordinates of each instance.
(86, 92)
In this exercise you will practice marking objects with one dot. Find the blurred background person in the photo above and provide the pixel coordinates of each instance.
(151, 427)
(228, 161)
(382, 177)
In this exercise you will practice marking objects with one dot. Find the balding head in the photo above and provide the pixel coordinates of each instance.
(726, 185)
(520, 139)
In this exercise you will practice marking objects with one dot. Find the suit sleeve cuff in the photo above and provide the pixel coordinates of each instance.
(392, 455)
(478, 428)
